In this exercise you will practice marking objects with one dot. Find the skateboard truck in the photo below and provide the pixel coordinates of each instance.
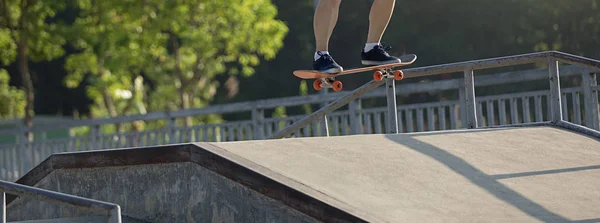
(330, 82)
(327, 82)
(387, 73)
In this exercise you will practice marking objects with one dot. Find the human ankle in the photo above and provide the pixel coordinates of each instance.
(370, 46)
(317, 56)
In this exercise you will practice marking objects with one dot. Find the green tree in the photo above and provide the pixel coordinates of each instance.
(112, 54)
(156, 55)
(12, 100)
(206, 39)
(25, 36)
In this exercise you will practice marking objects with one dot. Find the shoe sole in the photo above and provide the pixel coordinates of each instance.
(370, 62)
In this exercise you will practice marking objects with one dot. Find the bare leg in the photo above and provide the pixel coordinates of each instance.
(325, 19)
(334, 17)
(379, 17)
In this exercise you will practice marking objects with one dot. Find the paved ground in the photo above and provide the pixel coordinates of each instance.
(530, 174)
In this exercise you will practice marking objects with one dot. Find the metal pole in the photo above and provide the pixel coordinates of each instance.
(115, 215)
(462, 98)
(258, 116)
(95, 134)
(325, 110)
(555, 95)
(590, 100)
(325, 126)
(470, 104)
(171, 125)
(3, 207)
(355, 117)
(113, 210)
(392, 122)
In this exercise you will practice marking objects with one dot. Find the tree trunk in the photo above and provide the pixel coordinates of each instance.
(108, 100)
(184, 96)
(27, 82)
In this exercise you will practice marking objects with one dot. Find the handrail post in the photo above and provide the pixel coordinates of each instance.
(258, 117)
(590, 100)
(171, 124)
(96, 137)
(355, 118)
(462, 116)
(3, 207)
(469, 100)
(392, 120)
(325, 124)
(23, 144)
(115, 215)
(555, 94)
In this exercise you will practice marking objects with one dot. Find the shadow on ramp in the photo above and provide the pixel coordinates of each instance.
(536, 173)
(487, 182)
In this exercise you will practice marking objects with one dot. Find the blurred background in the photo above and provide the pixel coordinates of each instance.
(84, 59)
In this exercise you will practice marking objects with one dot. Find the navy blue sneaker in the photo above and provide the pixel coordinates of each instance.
(326, 64)
(378, 56)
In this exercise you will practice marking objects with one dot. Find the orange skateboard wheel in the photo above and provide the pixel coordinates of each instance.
(317, 84)
(378, 76)
(337, 85)
(398, 75)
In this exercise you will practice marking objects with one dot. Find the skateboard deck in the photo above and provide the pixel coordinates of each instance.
(381, 71)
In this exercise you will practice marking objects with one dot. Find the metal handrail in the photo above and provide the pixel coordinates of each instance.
(101, 207)
(551, 57)
(329, 108)
(500, 62)
(225, 108)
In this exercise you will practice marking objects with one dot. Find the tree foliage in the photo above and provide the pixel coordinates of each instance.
(12, 100)
(138, 56)
(209, 38)
(165, 55)
(26, 35)
(111, 56)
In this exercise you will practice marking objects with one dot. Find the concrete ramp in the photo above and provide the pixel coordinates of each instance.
(527, 174)
(521, 174)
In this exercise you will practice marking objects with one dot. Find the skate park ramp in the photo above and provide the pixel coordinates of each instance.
(513, 174)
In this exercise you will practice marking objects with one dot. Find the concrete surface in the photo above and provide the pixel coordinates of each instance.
(527, 174)
(536, 174)
(169, 192)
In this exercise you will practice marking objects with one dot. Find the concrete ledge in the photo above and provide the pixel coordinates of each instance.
(180, 153)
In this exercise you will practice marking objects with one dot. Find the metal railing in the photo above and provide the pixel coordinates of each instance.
(112, 210)
(467, 89)
(579, 105)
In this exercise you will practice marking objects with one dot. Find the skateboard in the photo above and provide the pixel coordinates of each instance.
(381, 71)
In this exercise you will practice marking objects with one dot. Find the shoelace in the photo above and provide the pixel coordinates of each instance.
(383, 49)
(324, 56)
